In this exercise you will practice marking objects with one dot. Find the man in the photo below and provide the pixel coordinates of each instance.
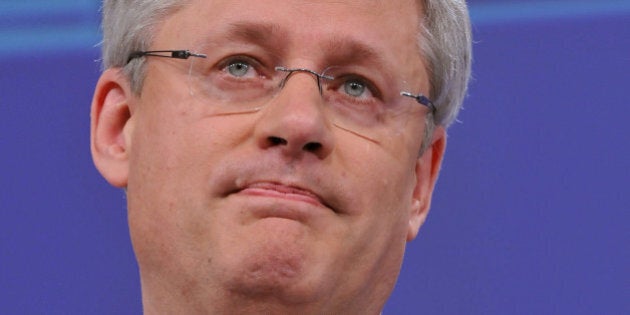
(276, 155)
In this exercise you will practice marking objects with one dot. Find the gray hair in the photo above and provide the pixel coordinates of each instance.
(128, 26)
(445, 41)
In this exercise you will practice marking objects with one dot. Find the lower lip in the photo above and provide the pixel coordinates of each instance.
(270, 193)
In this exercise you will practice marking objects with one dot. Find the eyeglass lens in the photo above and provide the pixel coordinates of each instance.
(354, 98)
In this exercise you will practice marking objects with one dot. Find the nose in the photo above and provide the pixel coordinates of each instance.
(295, 121)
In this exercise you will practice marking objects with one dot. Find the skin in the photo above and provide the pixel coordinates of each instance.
(226, 219)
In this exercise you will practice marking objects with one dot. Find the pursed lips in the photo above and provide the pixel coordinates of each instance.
(277, 190)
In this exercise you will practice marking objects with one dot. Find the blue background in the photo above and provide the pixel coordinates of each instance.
(530, 215)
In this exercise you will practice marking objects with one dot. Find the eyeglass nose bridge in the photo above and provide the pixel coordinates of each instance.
(291, 71)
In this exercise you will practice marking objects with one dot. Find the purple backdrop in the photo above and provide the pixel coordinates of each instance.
(530, 214)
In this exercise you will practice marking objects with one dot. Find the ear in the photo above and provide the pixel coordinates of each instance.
(427, 171)
(111, 127)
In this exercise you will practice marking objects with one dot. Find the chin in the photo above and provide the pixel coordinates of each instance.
(277, 279)
(278, 264)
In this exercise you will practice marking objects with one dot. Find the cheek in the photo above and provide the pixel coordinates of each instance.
(158, 183)
(382, 186)
(379, 216)
(173, 154)
(379, 174)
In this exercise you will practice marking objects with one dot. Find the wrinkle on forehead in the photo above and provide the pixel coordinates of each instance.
(338, 49)
(320, 33)
(263, 34)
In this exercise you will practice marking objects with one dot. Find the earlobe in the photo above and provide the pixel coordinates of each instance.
(426, 172)
(111, 126)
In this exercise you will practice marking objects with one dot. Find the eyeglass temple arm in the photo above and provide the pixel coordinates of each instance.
(420, 98)
(178, 54)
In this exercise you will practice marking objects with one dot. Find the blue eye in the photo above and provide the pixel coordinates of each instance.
(354, 88)
(238, 68)
(357, 87)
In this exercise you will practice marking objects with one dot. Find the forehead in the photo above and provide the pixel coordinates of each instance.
(384, 33)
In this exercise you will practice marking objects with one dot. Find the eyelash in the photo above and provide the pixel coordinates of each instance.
(346, 78)
(250, 61)
(265, 71)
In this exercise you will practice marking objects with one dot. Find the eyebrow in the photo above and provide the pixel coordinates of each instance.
(350, 51)
(339, 50)
(262, 34)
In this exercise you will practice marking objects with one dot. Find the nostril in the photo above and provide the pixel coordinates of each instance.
(277, 141)
(312, 146)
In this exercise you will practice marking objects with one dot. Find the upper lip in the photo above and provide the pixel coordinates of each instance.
(284, 187)
(310, 182)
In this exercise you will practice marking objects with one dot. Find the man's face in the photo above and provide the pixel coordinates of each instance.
(277, 201)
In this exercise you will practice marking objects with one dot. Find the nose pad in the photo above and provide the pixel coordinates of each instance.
(291, 71)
